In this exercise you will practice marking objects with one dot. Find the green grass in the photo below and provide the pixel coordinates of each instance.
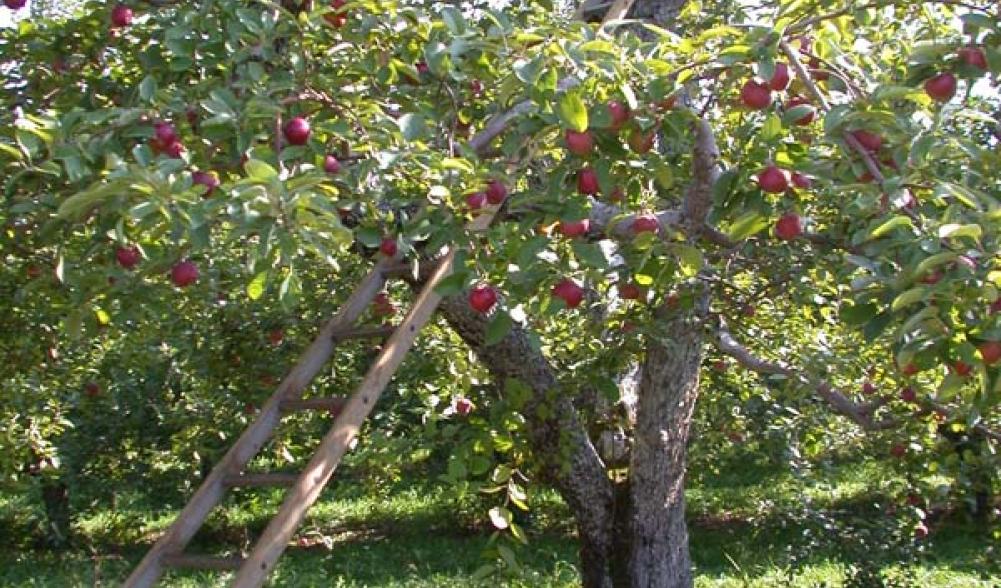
(753, 525)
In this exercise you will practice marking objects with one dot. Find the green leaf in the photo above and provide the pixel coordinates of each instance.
(954, 231)
(909, 297)
(876, 326)
(930, 263)
(259, 170)
(453, 20)
(412, 126)
(453, 284)
(748, 224)
(572, 111)
(500, 325)
(897, 222)
(858, 314)
(690, 258)
(147, 88)
(500, 517)
(771, 128)
(256, 286)
(529, 71)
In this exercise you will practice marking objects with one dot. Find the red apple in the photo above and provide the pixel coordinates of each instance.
(569, 291)
(755, 95)
(127, 257)
(575, 228)
(995, 306)
(941, 87)
(641, 142)
(667, 103)
(496, 192)
(165, 133)
(388, 247)
(800, 101)
(331, 165)
(616, 194)
(587, 181)
(908, 395)
(276, 336)
(990, 351)
(868, 388)
(121, 16)
(898, 450)
(871, 141)
(780, 79)
(175, 149)
(789, 226)
(773, 180)
(932, 278)
(422, 67)
(33, 271)
(920, 531)
(619, 113)
(207, 179)
(296, 131)
(630, 291)
(719, 365)
(476, 87)
(645, 223)
(910, 369)
(801, 181)
(579, 144)
(382, 305)
(482, 298)
(463, 406)
(961, 368)
(184, 273)
(973, 56)
(92, 389)
(15, 4)
(476, 200)
(338, 17)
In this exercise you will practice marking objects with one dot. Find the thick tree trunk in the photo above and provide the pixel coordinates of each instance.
(658, 555)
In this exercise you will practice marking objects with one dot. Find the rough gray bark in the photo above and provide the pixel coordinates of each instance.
(658, 553)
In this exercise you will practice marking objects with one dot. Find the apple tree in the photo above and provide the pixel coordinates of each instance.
(766, 191)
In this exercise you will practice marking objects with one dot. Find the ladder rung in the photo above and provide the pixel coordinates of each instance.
(397, 269)
(261, 479)
(365, 333)
(334, 403)
(203, 562)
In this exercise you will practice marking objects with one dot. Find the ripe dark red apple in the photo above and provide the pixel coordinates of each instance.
(994, 307)
(789, 226)
(296, 131)
(276, 336)
(755, 95)
(382, 305)
(630, 291)
(331, 165)
(616, 194)
(898, 450)
(338, 17)
(619, 113)
(15, 4)
(941, 87)
(33, 271)
(175, 150)
(388, 247)
(645, 223)
(961, 368)
(641, 142)
(587, 181)
(249, 408)
(773, 180)
(719, 365)
(667, 103)
(165, 133)
(92, 389)
(496, 192)
(932, 278)
(573, 229)
(920, 531)
(800, 101)
(579, 144)
(476, 87)
(184, 273)
(801, 181)
(476, 200)
(482, 298)
(868, 388)
(990, 351)
(871, 141)
(909, 369)
(207, 179)
(127, 257)
(780, 79)
(569, 292)
(121, 16)
(463, 406)
(908, 395)
(973, 56)
(422, 67)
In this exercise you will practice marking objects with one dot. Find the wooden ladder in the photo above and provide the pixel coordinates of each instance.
(305, 487)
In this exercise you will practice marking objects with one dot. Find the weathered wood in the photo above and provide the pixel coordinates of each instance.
(260, 479)
(203, 562)
(333, 403)
(335, 443)
(257, 434)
